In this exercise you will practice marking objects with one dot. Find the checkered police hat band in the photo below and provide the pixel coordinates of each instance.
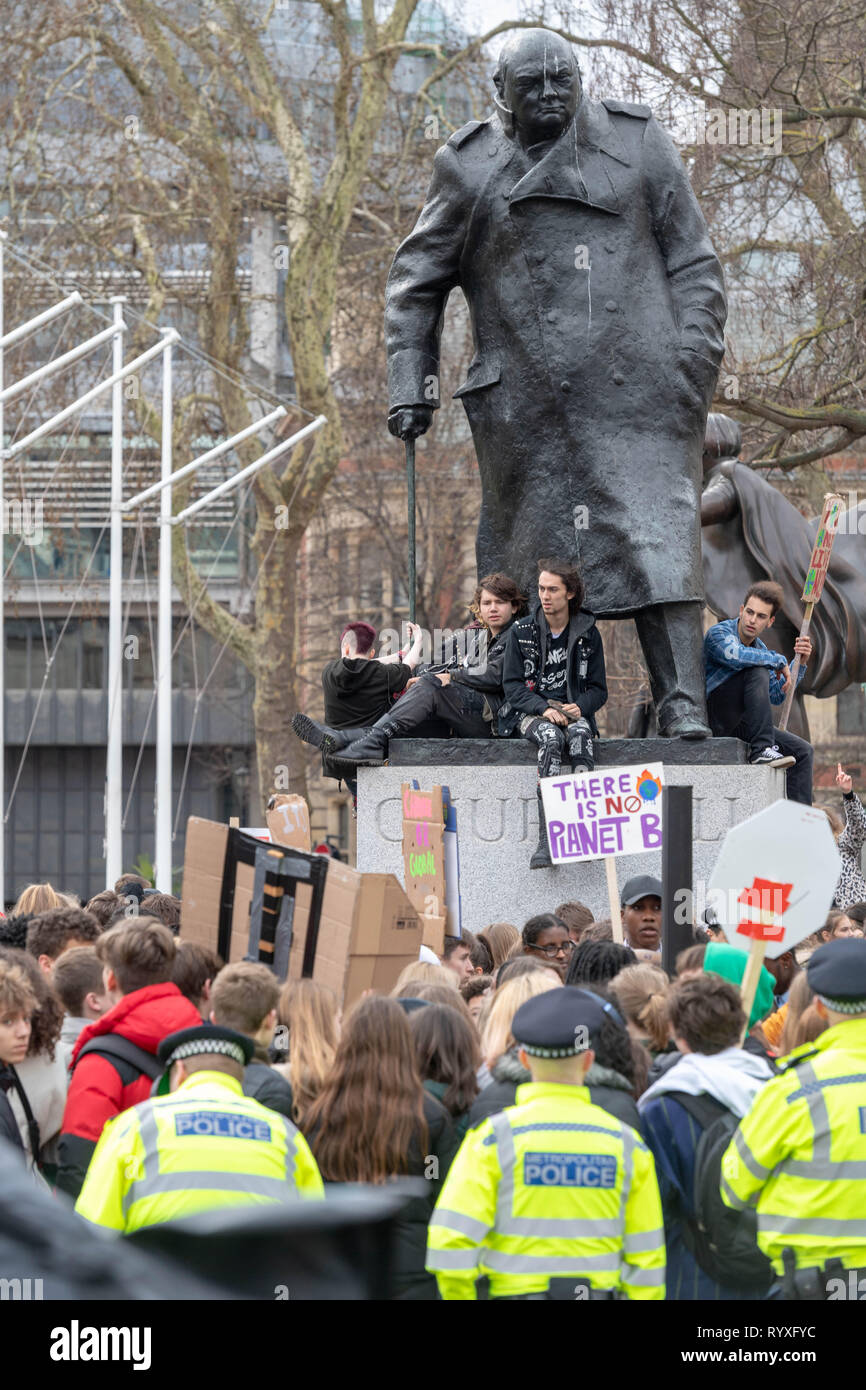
(202, 1046)
(843, 1006)
(551, 1051)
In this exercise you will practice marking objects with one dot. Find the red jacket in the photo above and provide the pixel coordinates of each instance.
(101, 1087)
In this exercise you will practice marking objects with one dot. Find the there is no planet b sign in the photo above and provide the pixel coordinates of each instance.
(596, 815)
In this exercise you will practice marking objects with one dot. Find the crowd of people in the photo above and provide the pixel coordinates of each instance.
(568, 1120)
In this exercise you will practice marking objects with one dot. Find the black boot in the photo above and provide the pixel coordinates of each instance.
(372, 749)
(541, 857)
(323, 736)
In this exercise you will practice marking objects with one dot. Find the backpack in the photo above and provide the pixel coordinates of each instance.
(119, 1049)
(723, 1242)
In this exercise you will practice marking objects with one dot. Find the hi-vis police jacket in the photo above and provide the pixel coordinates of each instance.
(799, 1155)
(206, 1145)
(552, 1187)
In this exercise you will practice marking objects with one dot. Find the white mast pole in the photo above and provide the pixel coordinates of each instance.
(114, 747)
(163, 795)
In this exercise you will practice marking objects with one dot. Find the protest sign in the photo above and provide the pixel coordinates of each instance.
(288, 818)
(773, 883)
(599, 815)
(429, 842)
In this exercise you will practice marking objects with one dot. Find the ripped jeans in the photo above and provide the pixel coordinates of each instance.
(555, 743)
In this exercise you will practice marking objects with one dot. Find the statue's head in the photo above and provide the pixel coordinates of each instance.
(538, 85)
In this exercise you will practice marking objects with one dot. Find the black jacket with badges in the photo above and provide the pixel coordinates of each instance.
(482, 667)
(525, 655)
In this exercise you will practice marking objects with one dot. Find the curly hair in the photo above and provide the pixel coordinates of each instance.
(49, 933)
(13, 929)
(597, 962)
(47, 1020)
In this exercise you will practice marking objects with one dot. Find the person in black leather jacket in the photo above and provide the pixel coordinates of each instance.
(554, 681)
(464, 691)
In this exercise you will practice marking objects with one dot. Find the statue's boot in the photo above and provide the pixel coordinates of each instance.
(322, 736)
(541, 856)
(671, 636)
(687, 726)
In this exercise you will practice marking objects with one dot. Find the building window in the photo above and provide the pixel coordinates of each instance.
(371, 586)
(851, 711)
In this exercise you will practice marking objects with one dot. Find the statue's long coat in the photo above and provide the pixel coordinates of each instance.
(598, 308)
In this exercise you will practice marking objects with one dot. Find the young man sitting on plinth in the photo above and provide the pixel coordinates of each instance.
(359, 686)
(465, 694)
(554, 681)
(745, 678)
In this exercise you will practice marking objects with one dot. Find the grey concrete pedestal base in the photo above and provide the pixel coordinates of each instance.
(498, 829)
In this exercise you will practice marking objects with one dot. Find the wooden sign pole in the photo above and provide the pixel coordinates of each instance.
(613, 897)
(749, 986)
(814, 586)
(795, 670)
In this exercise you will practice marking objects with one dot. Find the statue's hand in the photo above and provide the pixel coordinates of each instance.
(411, 421)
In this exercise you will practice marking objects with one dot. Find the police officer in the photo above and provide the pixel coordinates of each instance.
(799, 1155)
(553, 1197)
(199, 1143)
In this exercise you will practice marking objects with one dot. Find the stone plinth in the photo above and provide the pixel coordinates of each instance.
(497, 818)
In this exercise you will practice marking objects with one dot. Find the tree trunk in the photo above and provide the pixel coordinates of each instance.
(281, 765)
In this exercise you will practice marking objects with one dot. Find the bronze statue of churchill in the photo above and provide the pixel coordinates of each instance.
(598, 308)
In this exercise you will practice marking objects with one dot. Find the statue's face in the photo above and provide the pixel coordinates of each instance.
(542, 88)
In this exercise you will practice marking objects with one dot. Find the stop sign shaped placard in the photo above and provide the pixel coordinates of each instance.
(775, 877)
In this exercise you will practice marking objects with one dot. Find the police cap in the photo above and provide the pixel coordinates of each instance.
(837, 974)
(558, 1023)
(207, 1039)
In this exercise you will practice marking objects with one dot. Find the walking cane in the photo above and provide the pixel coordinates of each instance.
(410, 487)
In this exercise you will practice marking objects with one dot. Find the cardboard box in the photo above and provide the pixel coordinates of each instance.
(368, 931)
(288, 817)
(433, 929)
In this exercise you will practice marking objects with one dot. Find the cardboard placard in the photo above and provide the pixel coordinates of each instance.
(593, 815)
(424, 857)
(288, 817)
(775, 877)
(773, 880)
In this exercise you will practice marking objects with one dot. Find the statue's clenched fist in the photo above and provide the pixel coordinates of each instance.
(411, 421)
